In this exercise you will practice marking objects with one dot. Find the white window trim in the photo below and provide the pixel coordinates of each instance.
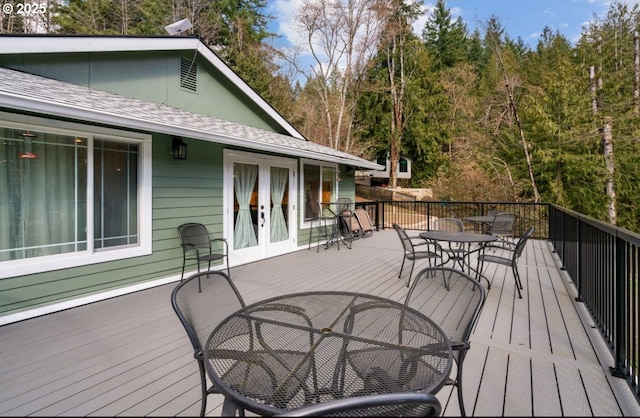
(82, 258)
(304, 224)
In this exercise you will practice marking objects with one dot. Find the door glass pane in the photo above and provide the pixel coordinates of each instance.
(279, 204)
(245, 195)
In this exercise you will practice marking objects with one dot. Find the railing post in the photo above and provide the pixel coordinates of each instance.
(620, 305)
(578, 280)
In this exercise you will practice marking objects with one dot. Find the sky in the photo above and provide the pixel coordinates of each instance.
(520, 18)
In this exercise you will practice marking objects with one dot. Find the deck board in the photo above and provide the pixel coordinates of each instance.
(490, 397)
(129, 355)
(518, 391)
(545, 396)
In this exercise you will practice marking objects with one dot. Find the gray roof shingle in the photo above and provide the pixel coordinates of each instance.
(28, 92)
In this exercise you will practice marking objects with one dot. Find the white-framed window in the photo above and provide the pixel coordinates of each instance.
(71, 195)
(320, 183)
(403, 165)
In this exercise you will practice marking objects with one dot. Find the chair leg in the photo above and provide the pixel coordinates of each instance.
(322, 226)
(480, 273)
(516, 276)
(184, 261)
(413, 263)
(205, 392)
(479, 268)
(401, 267)
(463, 413)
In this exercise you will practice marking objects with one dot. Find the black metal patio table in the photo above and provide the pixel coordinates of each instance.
(466, 239)
(293, 350)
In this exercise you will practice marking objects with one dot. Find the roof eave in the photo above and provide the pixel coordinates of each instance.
(14, 102)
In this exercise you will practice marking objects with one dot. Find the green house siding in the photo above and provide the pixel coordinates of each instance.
(182, 191)
(151, 76)
(179, 191)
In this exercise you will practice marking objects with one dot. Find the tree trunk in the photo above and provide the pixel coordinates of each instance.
(607, 142)
(536, 195)
(636, 73)
(594, 97)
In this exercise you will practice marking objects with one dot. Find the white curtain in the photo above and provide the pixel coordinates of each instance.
(279, 180)
(41, 199)
(244, 181)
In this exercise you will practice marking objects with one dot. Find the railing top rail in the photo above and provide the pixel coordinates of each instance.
(614, 230)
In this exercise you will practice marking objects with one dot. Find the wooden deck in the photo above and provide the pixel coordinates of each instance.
(129, 355)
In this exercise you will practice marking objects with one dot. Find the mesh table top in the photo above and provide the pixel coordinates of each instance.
(464, 237)
(286, 352)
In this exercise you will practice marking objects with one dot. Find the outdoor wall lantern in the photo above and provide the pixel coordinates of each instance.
(179, 148)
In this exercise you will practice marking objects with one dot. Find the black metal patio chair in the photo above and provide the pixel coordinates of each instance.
(453, 300)
(508, 257)
(416, 248)
(455, 252)
(502, 227)
(201, 302)
(197, 245)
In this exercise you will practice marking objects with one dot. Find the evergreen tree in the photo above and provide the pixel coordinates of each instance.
(557, 114)
(445, 39)
(97, 17)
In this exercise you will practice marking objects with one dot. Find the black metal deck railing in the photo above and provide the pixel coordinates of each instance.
(603, 261)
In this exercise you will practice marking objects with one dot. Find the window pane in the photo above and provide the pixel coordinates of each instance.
(319, 185)
(403, 165)
(42, 197)
(328, 184)
(311, 187)
(115, 193)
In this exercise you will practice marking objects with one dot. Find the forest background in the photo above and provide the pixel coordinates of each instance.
(482, 116)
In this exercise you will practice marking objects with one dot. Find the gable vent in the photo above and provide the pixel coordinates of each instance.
(188, 75)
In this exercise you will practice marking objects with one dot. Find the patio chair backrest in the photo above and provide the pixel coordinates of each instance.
(503, 224)
(448, 224)
(407, 245)
(493, 212)
(201, 301)
(426, 250)
(453, 300)
(196, 235)
(342, 204)
(420, 404)
(522, 242)
(450, 297)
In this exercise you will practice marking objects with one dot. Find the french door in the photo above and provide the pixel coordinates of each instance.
(260, 206)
